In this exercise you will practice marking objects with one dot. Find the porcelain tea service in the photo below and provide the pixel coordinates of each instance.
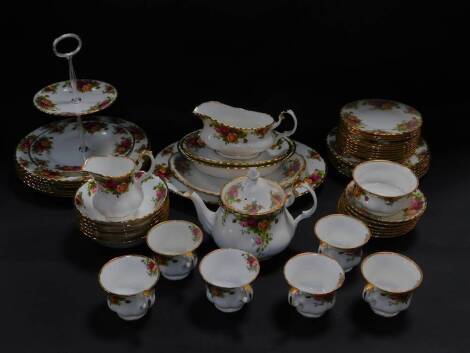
(253, 215)
(391, 280)
(175, 243)
(129, 282)
(119, 191)
(383, 187)
(228, 274)
(238, 133)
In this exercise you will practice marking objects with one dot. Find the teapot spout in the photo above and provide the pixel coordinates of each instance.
(206, 217)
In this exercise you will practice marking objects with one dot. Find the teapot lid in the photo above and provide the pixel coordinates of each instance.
(252, 195)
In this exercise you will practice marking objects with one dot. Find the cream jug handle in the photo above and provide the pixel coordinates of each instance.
(282, 116)
(310, 211)
(140, 162)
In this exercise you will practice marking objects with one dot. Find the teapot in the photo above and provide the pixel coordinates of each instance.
(118, 180)
(253, 215)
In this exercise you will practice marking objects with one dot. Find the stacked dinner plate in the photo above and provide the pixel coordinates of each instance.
(378, 129)
(128, 231)
(202, 160)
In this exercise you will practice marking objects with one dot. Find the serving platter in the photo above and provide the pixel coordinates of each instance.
(313, 174)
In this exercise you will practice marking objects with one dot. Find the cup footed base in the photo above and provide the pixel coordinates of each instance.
(132, 318)
(384, 314)
(228, 310)
(310, 315)
(175, 277)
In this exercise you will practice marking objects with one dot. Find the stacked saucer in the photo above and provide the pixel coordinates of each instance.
(232, 141)
(394, 213)
(127, 231)
(378, 129)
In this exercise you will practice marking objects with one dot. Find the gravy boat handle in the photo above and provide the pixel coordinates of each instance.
(282, 116)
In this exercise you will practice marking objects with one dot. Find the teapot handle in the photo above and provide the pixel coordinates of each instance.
(282, 116)
(310, 211)
(140, 162)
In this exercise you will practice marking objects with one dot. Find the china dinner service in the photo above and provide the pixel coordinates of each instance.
(253, 172)
(378, 129)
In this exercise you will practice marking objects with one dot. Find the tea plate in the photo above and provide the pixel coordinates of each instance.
(314, 173)
(193, 147)
(421, 153)
(186, 172)
(91, 96)
(153, 187)
(51, 151)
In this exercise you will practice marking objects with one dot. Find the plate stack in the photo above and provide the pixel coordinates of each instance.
(378, 129)
(232, 141)
(131, 230)
(386, 216)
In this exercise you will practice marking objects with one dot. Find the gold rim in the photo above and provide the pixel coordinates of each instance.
(129, 255)
(340, 280)
(234, 165)
(395, 254)
(196, 244)
(387, 162)
(229, 249)
(348, 216)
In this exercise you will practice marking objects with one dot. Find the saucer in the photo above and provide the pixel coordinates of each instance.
(155, 194)
(48, 159)
(416, 206)
(187, 173)
(313, 174)
(192, 147)
(58, 99)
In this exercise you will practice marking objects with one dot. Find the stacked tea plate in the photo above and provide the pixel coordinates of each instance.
(120, 203)
(232, 141)
(385, 196)
(378, 129)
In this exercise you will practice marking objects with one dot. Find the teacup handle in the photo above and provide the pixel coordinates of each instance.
(305, 213)
(247, 295)
(367, 291)
(294, 297)
(282, 116)
(140, 162)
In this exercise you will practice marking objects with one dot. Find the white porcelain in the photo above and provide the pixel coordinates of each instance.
(175, 243)
(313, 175)
(129, 282)
(228, 274)
(314, 280)
(342, 237)
(119, 192)
(52, 151)
(253, 216)
(391, 280)
(186, 172)
(239, 133)
(383, 187)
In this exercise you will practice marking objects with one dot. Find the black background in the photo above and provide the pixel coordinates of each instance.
(165, 57)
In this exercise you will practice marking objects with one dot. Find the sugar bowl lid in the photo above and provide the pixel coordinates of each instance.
(252, 195)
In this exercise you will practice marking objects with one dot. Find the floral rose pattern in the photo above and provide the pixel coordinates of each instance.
(276, 199)
(291, 167)
(160, 193)
(44, 144)
(116, 187)
(167, 150)
(163, 171)
(219, 292)
(100, 105)
(416, 204)
(251, 263)
(51, 88)
(25, 143)
(94, 126)
(352, 120)
(152, 268)
(196, 232)
(195, 142)
(382, 104)
(79, 199)
(92, 187)
(229, 134)
(253, 207)
(315, 178)
(232, 193)
(312, 154)
(408, 125)
(123, 146)
(108, 89)
(118, 300)
(261, 132)
(260, 227)
(45, 103)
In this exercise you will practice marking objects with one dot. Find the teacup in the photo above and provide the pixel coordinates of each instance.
(238, 133)
(342, 237)
(119, 183)
(383, 187)
(228, 274)
(391, 279)
(129, 282)
(314, 280)
(174, 243)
